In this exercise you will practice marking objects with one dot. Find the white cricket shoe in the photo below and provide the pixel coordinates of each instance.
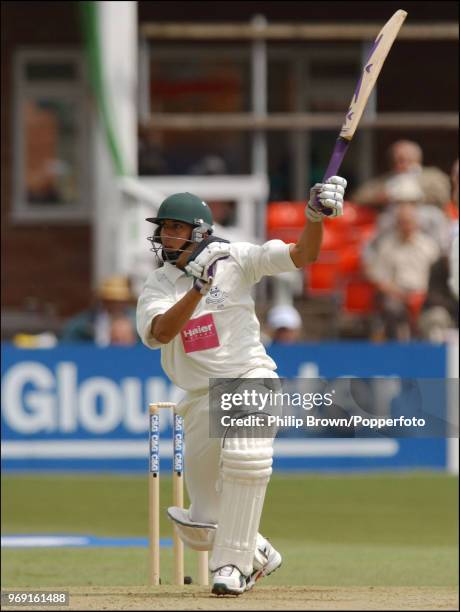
(228, 580)
(266, 560)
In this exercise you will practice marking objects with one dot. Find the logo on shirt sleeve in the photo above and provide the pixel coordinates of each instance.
(200, 334)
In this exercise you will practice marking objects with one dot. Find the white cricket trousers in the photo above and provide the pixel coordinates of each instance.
(202, 453)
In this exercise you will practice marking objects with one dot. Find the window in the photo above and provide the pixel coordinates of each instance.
(50, 140)
(198, 79)
(217, 79)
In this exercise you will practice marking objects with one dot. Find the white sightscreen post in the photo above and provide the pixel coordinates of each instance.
(117, 33)
(107, 199)
(119, 55)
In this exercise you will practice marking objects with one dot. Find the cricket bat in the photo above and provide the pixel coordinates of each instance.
(367, 80)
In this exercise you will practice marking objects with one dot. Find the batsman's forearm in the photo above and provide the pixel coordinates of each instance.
(306, 249)
(165, 327)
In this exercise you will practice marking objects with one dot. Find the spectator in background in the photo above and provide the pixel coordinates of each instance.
(431, 220)
(400, 267)
(112, 319)
(122, 332)
(440, 310)
(405, 159)
(452, 207)
(454, 185)
(285, 324)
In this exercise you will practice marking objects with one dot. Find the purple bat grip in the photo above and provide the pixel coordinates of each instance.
(335, 162)
(337, 156)
(212, 267)
(212, 270)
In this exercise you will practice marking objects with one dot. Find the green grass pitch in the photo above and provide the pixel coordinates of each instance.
(353, 530)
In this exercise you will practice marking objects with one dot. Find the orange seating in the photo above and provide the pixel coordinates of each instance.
(285, 220)
(338, 269)
(415, 303)
(359, 297)
(333, 239)
(451, 210)
(363, 215)
(350, 260)
(322, 277)
(285, 214)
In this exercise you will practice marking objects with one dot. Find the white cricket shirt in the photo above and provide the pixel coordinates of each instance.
(222, 338)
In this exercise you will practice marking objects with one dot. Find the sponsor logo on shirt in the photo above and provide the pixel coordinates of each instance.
(200, 334)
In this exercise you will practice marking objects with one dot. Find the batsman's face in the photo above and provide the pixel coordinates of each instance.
(174, 235)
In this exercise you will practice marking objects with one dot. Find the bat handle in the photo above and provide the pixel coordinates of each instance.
(211, 271)
(212, 268)
(341, 146)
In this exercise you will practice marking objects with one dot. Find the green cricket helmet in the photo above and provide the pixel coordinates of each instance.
(184, 207)
(187, 208)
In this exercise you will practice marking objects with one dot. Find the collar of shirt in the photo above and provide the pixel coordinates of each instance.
(172, 272)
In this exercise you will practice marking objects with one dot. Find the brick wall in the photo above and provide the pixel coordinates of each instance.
(42, 264)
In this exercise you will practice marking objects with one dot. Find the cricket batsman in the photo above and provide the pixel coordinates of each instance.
(197, 308)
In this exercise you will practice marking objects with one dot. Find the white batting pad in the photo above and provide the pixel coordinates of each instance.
(199, 536)
(246, 471)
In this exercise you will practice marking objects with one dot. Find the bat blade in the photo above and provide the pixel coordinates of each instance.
(371, 70)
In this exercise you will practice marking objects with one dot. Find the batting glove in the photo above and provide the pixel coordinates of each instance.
(204, 286)
(326, 199)
(203, 264)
